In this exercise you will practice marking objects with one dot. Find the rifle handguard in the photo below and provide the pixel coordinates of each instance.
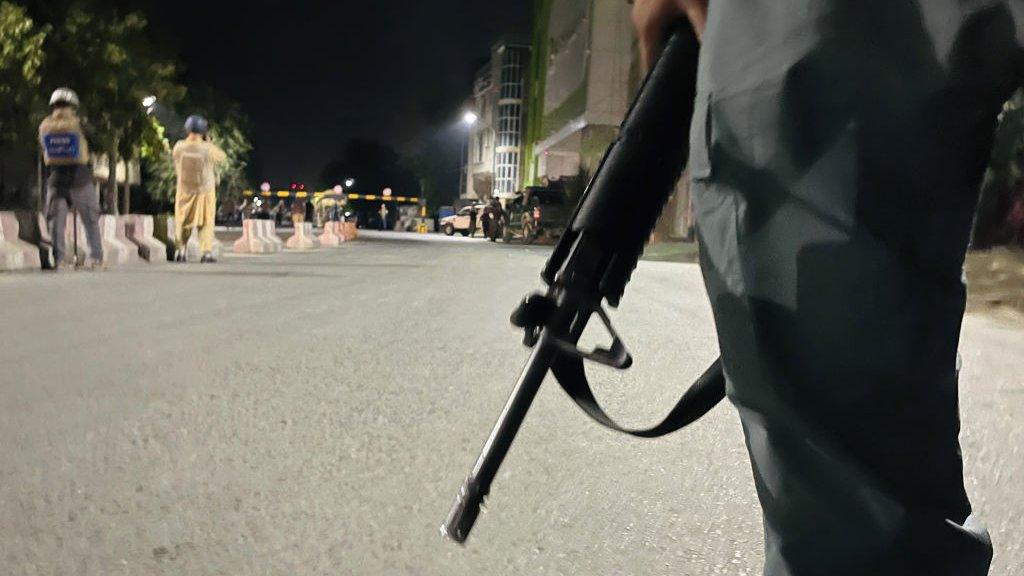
(629, 190)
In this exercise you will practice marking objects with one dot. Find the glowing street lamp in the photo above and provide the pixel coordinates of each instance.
(350, 182)
(149, 103)
(470, 118)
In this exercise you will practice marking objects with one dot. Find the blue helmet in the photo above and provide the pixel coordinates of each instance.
(196, 124)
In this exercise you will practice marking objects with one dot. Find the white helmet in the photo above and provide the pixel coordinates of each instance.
(64, 97)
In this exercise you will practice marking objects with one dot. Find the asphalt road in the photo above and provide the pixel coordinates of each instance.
(315, 413)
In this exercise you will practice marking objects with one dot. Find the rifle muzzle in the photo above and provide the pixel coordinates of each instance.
(464, 512)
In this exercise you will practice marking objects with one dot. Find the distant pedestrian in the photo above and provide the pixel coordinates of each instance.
(298, 212)
(472, 221)
(69, 184)
(383, 216)
(278, 213)
(495, 220)
(227, 211)
(485, 220)
(194, 160)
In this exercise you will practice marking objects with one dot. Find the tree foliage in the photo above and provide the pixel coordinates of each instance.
(21, 62)
(229, 129)
(103, 50)
(112, 63)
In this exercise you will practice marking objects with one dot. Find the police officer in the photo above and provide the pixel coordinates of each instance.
(66, 155)
(195, 204)
(836, 152)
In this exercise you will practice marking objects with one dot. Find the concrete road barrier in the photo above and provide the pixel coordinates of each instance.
(192, 250)
(331, 236)
(249, 243)
(349, 231)
(139, 230)
(11, 237)
(303, 239)
(255, 239)
(117, 249)
(12, 256)
(268, 230)
(32, 228)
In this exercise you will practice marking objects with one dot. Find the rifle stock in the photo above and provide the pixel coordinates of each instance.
(594, 261)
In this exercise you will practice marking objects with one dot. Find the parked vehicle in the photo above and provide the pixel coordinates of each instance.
(462, 220)
(536, 213)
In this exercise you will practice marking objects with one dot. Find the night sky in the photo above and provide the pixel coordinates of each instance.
(313, 75)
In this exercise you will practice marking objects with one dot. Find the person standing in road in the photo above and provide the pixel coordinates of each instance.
(195, 158)
(496, 220)
(298, 212)
(383, 216)
(485, 220)
(472, 220)
(69, 184)
(277, 213)
(836, 153)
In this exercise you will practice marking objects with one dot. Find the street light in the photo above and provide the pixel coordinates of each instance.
(149, 103)
(471, 119)
(350, 182)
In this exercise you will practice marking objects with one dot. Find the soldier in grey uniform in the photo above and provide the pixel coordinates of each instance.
(66, 155)
(837, 151)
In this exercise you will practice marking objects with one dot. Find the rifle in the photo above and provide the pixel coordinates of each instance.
(593, 262)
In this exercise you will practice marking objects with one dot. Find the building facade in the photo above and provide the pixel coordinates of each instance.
(495, 144)
(584, 74)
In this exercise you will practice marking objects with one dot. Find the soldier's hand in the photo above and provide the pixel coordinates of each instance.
(653, 18)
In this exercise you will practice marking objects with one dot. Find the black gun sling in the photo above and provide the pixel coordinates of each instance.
(703, 395)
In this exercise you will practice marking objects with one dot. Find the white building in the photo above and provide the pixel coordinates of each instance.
(586, 73)
(494, 149)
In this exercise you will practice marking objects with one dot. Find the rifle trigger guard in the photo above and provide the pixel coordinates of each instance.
(616, 356)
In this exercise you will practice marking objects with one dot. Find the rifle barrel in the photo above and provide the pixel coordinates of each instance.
(467, 504)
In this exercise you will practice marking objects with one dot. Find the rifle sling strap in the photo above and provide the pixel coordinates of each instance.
(702, 396)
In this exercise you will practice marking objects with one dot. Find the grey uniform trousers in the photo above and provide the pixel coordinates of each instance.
(84, 198)
(837, 151)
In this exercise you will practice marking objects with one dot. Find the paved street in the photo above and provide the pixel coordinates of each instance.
(315, 413)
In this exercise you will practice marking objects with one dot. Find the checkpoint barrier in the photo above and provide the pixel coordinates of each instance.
(138, 229)
(192, 250)
(334, 234)
(303, 239)
(15, 253)
(258, 237)
(117, 249)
